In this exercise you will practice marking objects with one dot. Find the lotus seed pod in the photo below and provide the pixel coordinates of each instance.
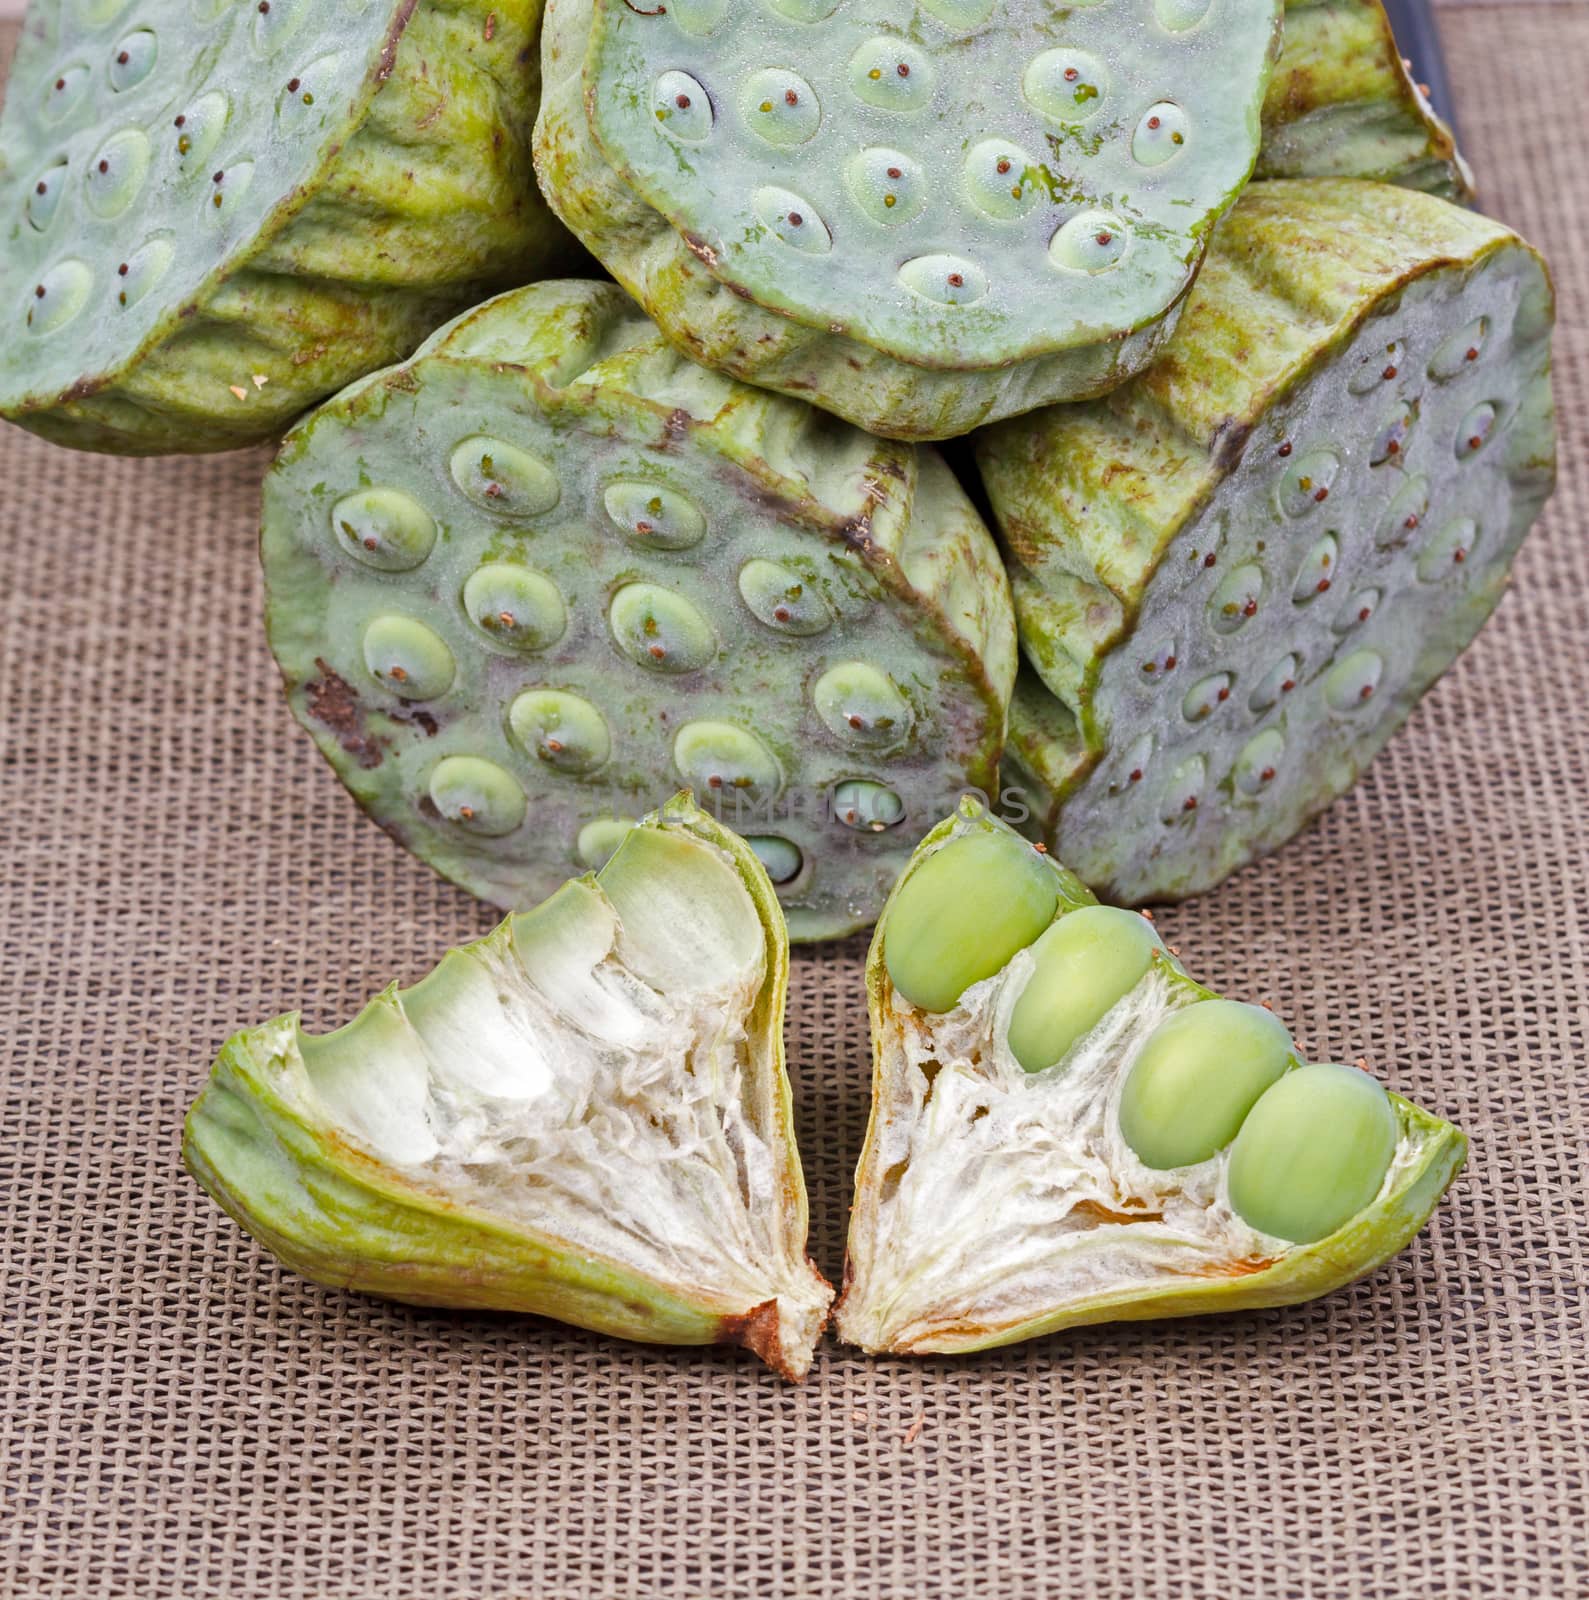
(1343, 104)
(1196, 1079)
(967, 909)
(1237, 575)
(1082, 968)
(584, 1116)
(1177, 1161)
(215, 215)
(1312, 1153)
(923, 218)
(526, 585)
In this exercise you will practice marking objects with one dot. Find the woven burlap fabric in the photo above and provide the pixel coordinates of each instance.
(179, 1416)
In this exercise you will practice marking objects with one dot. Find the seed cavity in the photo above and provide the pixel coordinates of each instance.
(1391, 439)
(132, 60)
(1184, 792)
(862, 707)
(1065, 85)
(780, 859)
(793, 219)
(944, 279)
(1091, 242)
(44, 196)
(658, 629)
(1001, 180)
(782, 599)
(1461, 352)
(383, 528)
(1448, 551)
(651, 516)
(1352, 681)
(1161, 134)
(892, 74)
(1275, 684)
(1403, 518)
(1236, 600)
(1176, 16)
(197, 130)
(58, 296)
(501, 478)
(564, 731)
(1474, 431)
(682, 107)
(866, 807)
(116, 173)
(1318, 571)
(694, 17)
(64, 92)
(1358, 610)
(514, 606)
(780, 107)
(598, 841)
(477, 796)
(1206, 696)
(408, 658)
(1307, 481)
(1259, 761)
(719, 759)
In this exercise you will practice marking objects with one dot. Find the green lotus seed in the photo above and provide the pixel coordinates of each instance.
(44, 196)
(1259, 762)
(1306, 483)
(963, 913)
(1448, 550)
(58, 296)
(117, 171)
(143, 269)
(408, 658)
(1474, 431)
(683, 108)
(197, 129)
(1316, 575)
(384, 528)
(1391, 439)
(781, 859)
(1000, 179)
(1376, 370)
(276, 21)
(1092, 242)
(599, 840)
(780, 107)
(229, 187)
(477, 795)
(779, 597)
(1206, 696)
(659, 629)
(1352, 682)
(1197, 1077)
(1083, 967)
(861, 706)
(1403, 517)
(1067, 85)
(964, 13)
(653, 515)
(65, 90)
(1357, 610)
(892, 74)
(502, 478)
(697, 16)
(718, 758)
(866, 807)
(887, 185)
(804, 10)
(1460, 351)
(132, 60)
(945, 280)
(1184, 792)
(1236, 600)
(792, 219)
(1160, 135)
(564, 730)
(1312, 1153)
(1179, 15)
(515, 606)
(1279, 680)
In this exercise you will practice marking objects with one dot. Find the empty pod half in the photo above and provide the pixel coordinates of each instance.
(584, 1115)
(919, 216)
(215, 213)
(527, 584)
(1236, 576)
(1066, 1129)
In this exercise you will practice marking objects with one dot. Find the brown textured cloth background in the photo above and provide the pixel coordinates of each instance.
(179, 1416)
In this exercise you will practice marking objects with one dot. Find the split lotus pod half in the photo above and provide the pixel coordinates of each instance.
(217, 213)
(921, 217)
(584, 1116)
(1066, 1129)
(1237, 575)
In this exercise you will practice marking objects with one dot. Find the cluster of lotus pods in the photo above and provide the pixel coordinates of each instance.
(586, 1116)
(1259, 416)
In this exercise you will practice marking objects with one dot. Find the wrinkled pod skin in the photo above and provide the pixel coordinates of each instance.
(215, 215)
(342, 1155)
(1237, 575)
(828, 202)
(530, 582)
(1153, 1150)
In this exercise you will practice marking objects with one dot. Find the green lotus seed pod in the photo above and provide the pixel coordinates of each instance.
(1220, 634)
(1343, 104)
(1196, 1079)
(216, 215)
(920, 222)
(446, 1146)
(1312, 1153)
(1181, 1162)
(808, 626)
(963, 912)
(1082, 968)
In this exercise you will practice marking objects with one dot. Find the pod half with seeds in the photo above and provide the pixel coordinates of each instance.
(1066, 1129)
(527, 584)
(1236, 576)
(216, 214)
(585, 1115)
(919, 217)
